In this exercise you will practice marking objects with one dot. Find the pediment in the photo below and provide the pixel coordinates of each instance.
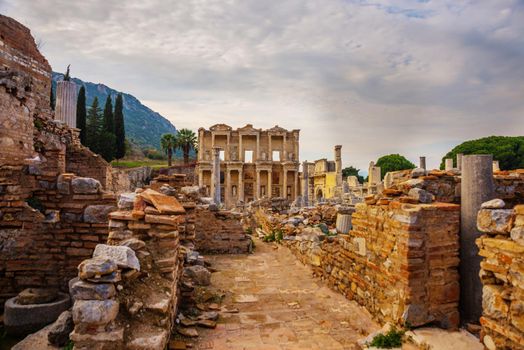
(277, 130)
(220, 127)
(248, 128)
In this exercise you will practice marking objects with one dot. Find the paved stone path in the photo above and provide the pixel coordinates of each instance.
(281, 306)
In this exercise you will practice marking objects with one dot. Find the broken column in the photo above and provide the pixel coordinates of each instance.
(422, 164)
(216, 175)
(338, 165)
(476, 188)
(459, 161)
(66, 102)
(305, 179)
(448, 164)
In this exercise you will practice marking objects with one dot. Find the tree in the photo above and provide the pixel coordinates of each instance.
(109, 124)
(94, 127)
(508, 150)
(352, 171)
(52, 99)
(168, 143)
(120, 134)
(67, 77)
(186, 140)
(393, 162)
(81, 114)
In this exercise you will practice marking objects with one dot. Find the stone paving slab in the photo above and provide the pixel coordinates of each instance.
(281, 306)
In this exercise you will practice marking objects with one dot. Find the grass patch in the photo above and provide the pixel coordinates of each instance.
(155, 164)
(391, 339)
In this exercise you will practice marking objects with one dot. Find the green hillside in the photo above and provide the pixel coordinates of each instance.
(144, 127)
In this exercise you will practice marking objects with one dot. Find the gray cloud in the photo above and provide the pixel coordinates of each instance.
(413, 77)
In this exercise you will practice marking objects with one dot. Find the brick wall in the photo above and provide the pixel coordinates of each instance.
(220, 232)
(81, 161)
(502, 276)
(400, 261)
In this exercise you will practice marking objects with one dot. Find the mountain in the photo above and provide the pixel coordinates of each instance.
(144, 127)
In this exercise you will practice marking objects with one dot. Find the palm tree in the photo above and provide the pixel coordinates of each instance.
(186, 140)
(168, 142)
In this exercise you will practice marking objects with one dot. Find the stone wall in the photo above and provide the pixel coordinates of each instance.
(81, 161)
(42, 248)
(220, 232)
(400, 261)
(502, 275)
(140, 312)
(124, 180)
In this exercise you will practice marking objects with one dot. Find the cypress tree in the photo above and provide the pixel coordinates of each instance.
(109, 124)
(81, 114)
(94, 127)
(120, 133)
(52, 98)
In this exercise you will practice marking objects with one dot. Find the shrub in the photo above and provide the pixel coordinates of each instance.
(392, 339)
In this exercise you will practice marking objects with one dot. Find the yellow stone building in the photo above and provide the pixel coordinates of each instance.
(324, 178)
(254, 163)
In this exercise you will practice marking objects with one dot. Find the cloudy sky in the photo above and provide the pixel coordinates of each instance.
(378, 77)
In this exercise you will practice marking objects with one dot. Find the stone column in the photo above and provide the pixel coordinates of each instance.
(496, 166)
(65, 109)
(240, 189)
(476, 187)
(305, 179)
(284, 183)
(227, 195)
(216, 175)
(200, 178)
(258, 185)
(338, 164)
(422, 164)
(459, 161)
(258, 147)
(448, 164)
(240, 149)
(269, 182)
(297, 182)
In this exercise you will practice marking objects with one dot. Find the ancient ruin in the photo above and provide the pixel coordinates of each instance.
(248, 250)
(246, 164)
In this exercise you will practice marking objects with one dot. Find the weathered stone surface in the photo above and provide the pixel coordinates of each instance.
(96, 214)
(96, 267)
(517, 234)
(188, 332)
(198, 274)
(36, 296)
(59, 332)
(495, 220)
(493, 204)
(492, 302)
(152, 340)
(418, 172)
(85, 185)
(420, 195)
(126, 200)
(124, 257)
(95, 312)
(81, 290)
(133, 243)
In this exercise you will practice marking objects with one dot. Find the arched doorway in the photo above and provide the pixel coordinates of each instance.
(319, 195)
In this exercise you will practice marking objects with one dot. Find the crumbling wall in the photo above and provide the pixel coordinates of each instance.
(140, 311)
(400, 261)
(220, 232)
(42, 248)
(502, 275)
(81, 161)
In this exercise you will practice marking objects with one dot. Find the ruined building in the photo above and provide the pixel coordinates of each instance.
(324, 178)
(253, 163)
